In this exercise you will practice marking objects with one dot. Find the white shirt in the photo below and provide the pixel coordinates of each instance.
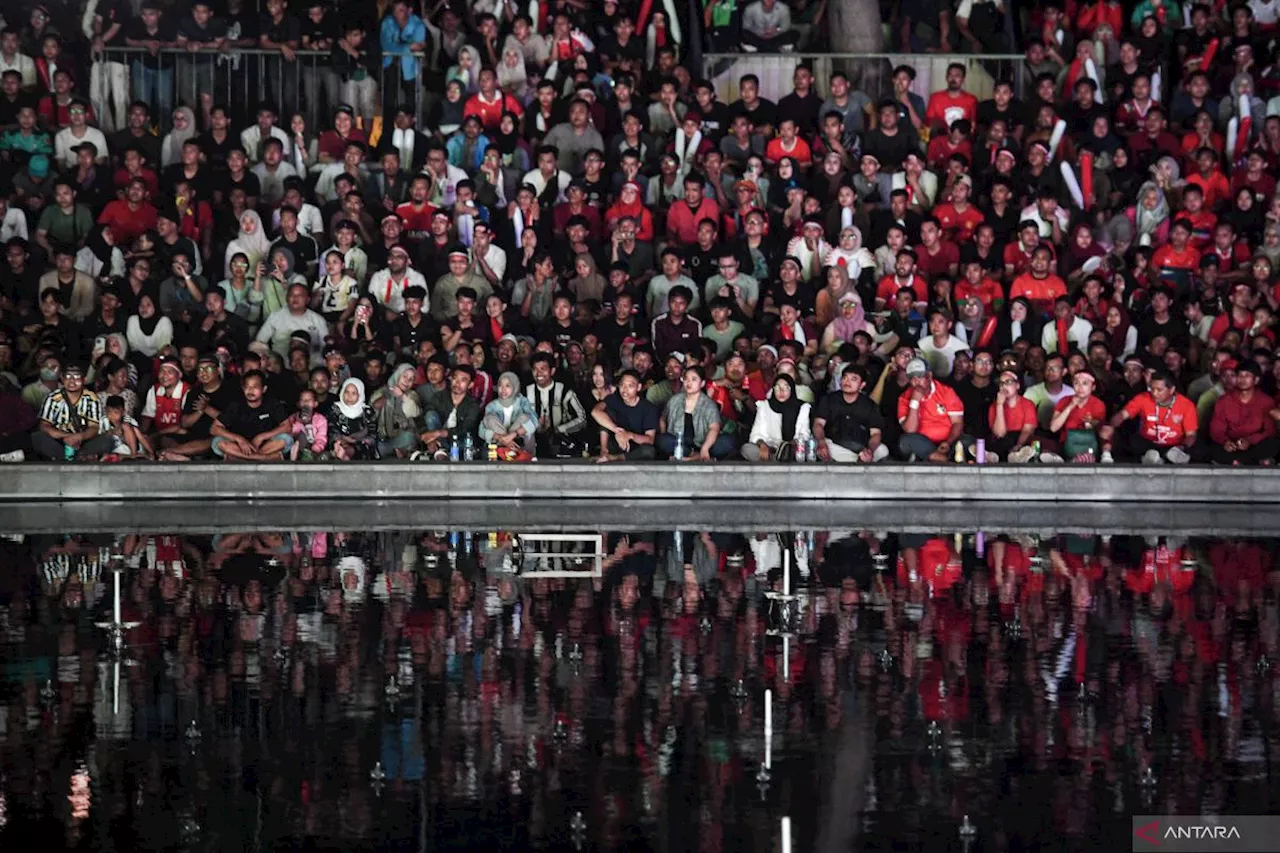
(1032, 212)
(496, 258)
(24, 65)
(13, 225)
(65, 140)
(390, 292)
(251, 139)
(1077, 334)
(309, 221)
(941, 358)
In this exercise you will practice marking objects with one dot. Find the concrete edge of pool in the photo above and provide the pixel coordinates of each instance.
(577, 480)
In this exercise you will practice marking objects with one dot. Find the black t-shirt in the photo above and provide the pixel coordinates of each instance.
(165, 33)
(804, 110)
(213, 30)
(305, 253)
(201, 183)
(249, 183)
(890, 150)
(326, 29)
(977, 401)
(215, 152)
(286, 30)
(849, 424)
(766, 112)
(245, 421)
(114, 12)
(988, 112)
(639, 419)
(410, 335)
(221, 399)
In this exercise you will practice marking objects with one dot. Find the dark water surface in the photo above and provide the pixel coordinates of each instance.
(424, 691)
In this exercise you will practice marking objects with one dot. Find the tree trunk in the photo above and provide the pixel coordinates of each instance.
(855, 27)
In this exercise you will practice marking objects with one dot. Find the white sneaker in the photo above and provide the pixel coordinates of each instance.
(1050, 459)
(1152, 457)
(13, 456)
(1178, 456)
(1106, 458)
(1022, 454)
(992, 458)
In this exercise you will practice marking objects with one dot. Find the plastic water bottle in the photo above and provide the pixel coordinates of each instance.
(679, 452)
(454, 452)
(799, 448)
(468, 449)
(811, 451)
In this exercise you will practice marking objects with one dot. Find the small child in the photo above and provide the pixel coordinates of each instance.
(129, 440)
(310, 429)
(334, 296)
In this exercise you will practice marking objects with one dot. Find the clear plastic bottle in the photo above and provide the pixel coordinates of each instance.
(811, 450)
(455, 452)
(679, 452)
(468, 449)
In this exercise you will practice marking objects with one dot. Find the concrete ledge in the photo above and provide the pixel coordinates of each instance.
(723, 481)
(208, 517)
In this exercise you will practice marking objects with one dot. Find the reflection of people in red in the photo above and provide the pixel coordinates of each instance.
(934, 563)
(1160, 565)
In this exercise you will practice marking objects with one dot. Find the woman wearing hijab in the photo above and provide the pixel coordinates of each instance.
(1081, 247)
(1123, 177)
(851, 320)
(629, 204)
(779, 423)
(513, 77)
(826, 301)
(100, 257)
(513, 153)
(353, 424)
(1150, 216)
(509, 420)
(184, 128)
(148, 331)
(398, 410)
(1018, 323)
(251, 239)
(587, 283)
(858, 262)
(274, 277)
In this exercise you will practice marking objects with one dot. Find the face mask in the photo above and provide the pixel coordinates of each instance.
(48, 374)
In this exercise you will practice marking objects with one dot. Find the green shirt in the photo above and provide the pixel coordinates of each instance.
(71, 229)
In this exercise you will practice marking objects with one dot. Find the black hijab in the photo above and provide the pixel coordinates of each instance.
(790, 410)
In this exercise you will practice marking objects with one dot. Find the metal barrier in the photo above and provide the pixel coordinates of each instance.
(870, 72)
(243, 78)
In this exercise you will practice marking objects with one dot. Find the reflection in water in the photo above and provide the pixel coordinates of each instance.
(444, 691)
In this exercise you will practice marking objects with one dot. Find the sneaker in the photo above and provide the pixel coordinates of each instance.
(1178, 456)
(441, 455)
(1107, 458)
(13, 456)
(1152, 457)
(416, 456)
(992, 458)
(1050, 459)
(1023, 454)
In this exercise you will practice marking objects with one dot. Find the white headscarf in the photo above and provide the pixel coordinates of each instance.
(351, 411)
(513, 79)
(175, 139)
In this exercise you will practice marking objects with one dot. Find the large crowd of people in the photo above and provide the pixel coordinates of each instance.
(926, 678)
(582, 251)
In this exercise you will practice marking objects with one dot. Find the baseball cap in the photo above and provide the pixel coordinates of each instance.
(917, 367)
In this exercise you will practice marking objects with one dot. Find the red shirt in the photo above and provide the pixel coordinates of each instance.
(988, 292)
(1015, 256)
(936, 411)
(1094, 410)
(1202, 225)
(682, 223)
(801, 153)
(490, 114)
(416, 222)
(932, 266)
(958, 226)
(943, 109)
(1040, 292)
(1215, 186)
(941, 147)
(1016, 417)
(887, 289)
(1164, 426)
(1168, 261)
(126, 224)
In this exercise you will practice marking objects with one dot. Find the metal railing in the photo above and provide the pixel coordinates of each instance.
(869, 72)
(242, 78)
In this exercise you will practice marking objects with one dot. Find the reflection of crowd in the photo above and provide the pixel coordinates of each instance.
(295, 662)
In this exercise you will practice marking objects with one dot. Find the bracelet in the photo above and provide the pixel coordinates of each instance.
(913, 404)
